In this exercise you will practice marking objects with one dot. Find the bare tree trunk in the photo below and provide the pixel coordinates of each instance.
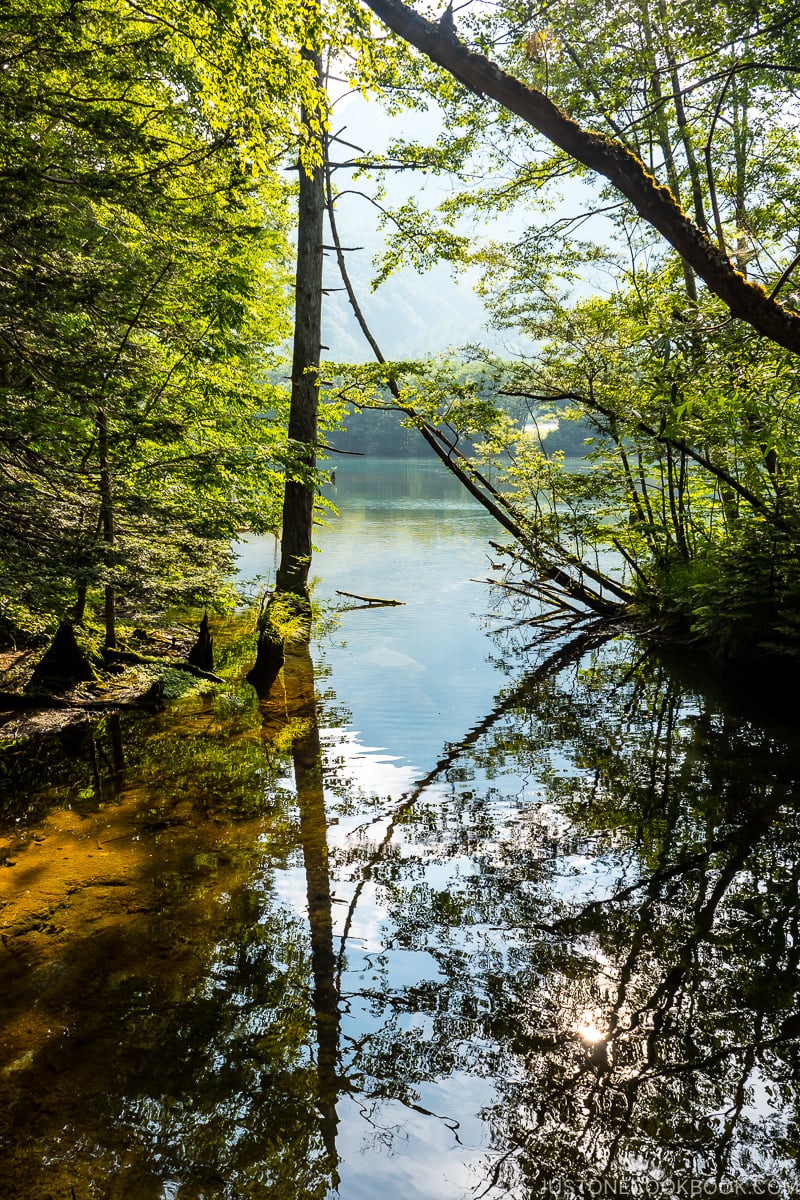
(298, 497)
(298, 501)
(107, 526)
(79, 610)
(663, 136)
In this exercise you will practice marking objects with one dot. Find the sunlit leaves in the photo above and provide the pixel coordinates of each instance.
(142, 239)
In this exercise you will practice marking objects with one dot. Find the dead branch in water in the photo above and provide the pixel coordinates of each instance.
(372, 601)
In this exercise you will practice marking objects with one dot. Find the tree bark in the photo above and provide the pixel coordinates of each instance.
(79, 609)
(608, 157)
(107, 525)
(298, 501)
(202, 652)
(299, 489)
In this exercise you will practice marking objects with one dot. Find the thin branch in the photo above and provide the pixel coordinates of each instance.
(785, 276)
(664, 439)
(712, 190)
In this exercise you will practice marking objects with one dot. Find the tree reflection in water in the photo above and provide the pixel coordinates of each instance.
(620, 953)
(290, 709)
(158, 1034)
(581, 925)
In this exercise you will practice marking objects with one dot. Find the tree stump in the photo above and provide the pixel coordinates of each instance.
(63, 664)
(286, 617)
(269, 659)
(202, 652)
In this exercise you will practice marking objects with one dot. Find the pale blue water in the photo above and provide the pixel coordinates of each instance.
(419, 675)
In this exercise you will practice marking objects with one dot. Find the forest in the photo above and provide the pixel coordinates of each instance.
(150, 164)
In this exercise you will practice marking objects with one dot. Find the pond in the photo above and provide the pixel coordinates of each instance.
(451, 915)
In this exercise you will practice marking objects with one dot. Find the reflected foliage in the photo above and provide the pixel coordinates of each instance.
(580, 928)
(165, 999)
(614, 934)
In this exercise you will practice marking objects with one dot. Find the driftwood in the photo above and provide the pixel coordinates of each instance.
(17, 702)
(370, 600)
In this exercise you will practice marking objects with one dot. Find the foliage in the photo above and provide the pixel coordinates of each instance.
(144, 297)
(458, 397)
(589, 958)
(574, 929)
(689, 513)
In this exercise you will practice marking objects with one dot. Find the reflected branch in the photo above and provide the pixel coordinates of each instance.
(571, 652)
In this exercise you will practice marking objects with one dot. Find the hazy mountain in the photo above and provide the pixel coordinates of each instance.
(412, 314)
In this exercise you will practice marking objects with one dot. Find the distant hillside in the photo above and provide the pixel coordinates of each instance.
(381, 435)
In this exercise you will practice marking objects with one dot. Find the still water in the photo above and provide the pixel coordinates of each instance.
(418, 675)
(448, 916)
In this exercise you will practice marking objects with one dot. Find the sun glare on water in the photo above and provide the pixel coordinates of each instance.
(590, 1028)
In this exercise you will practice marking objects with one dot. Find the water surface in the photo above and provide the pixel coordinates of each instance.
(417, 675)
(443, 918)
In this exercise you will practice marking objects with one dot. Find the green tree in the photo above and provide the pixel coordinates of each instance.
(143, 250)
(607, 30)
(695, 168)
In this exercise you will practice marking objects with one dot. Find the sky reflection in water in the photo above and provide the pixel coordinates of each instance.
(418, 675)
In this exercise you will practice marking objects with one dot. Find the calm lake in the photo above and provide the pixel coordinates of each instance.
(452, 915)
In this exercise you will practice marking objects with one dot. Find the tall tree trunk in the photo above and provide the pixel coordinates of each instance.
(663, 134)
(107, 526)
(298, 500)
(79, 609)
(299, 489)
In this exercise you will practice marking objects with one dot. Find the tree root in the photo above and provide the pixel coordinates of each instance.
(152, 660)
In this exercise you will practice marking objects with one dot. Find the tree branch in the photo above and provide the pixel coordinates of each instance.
(608, 157)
